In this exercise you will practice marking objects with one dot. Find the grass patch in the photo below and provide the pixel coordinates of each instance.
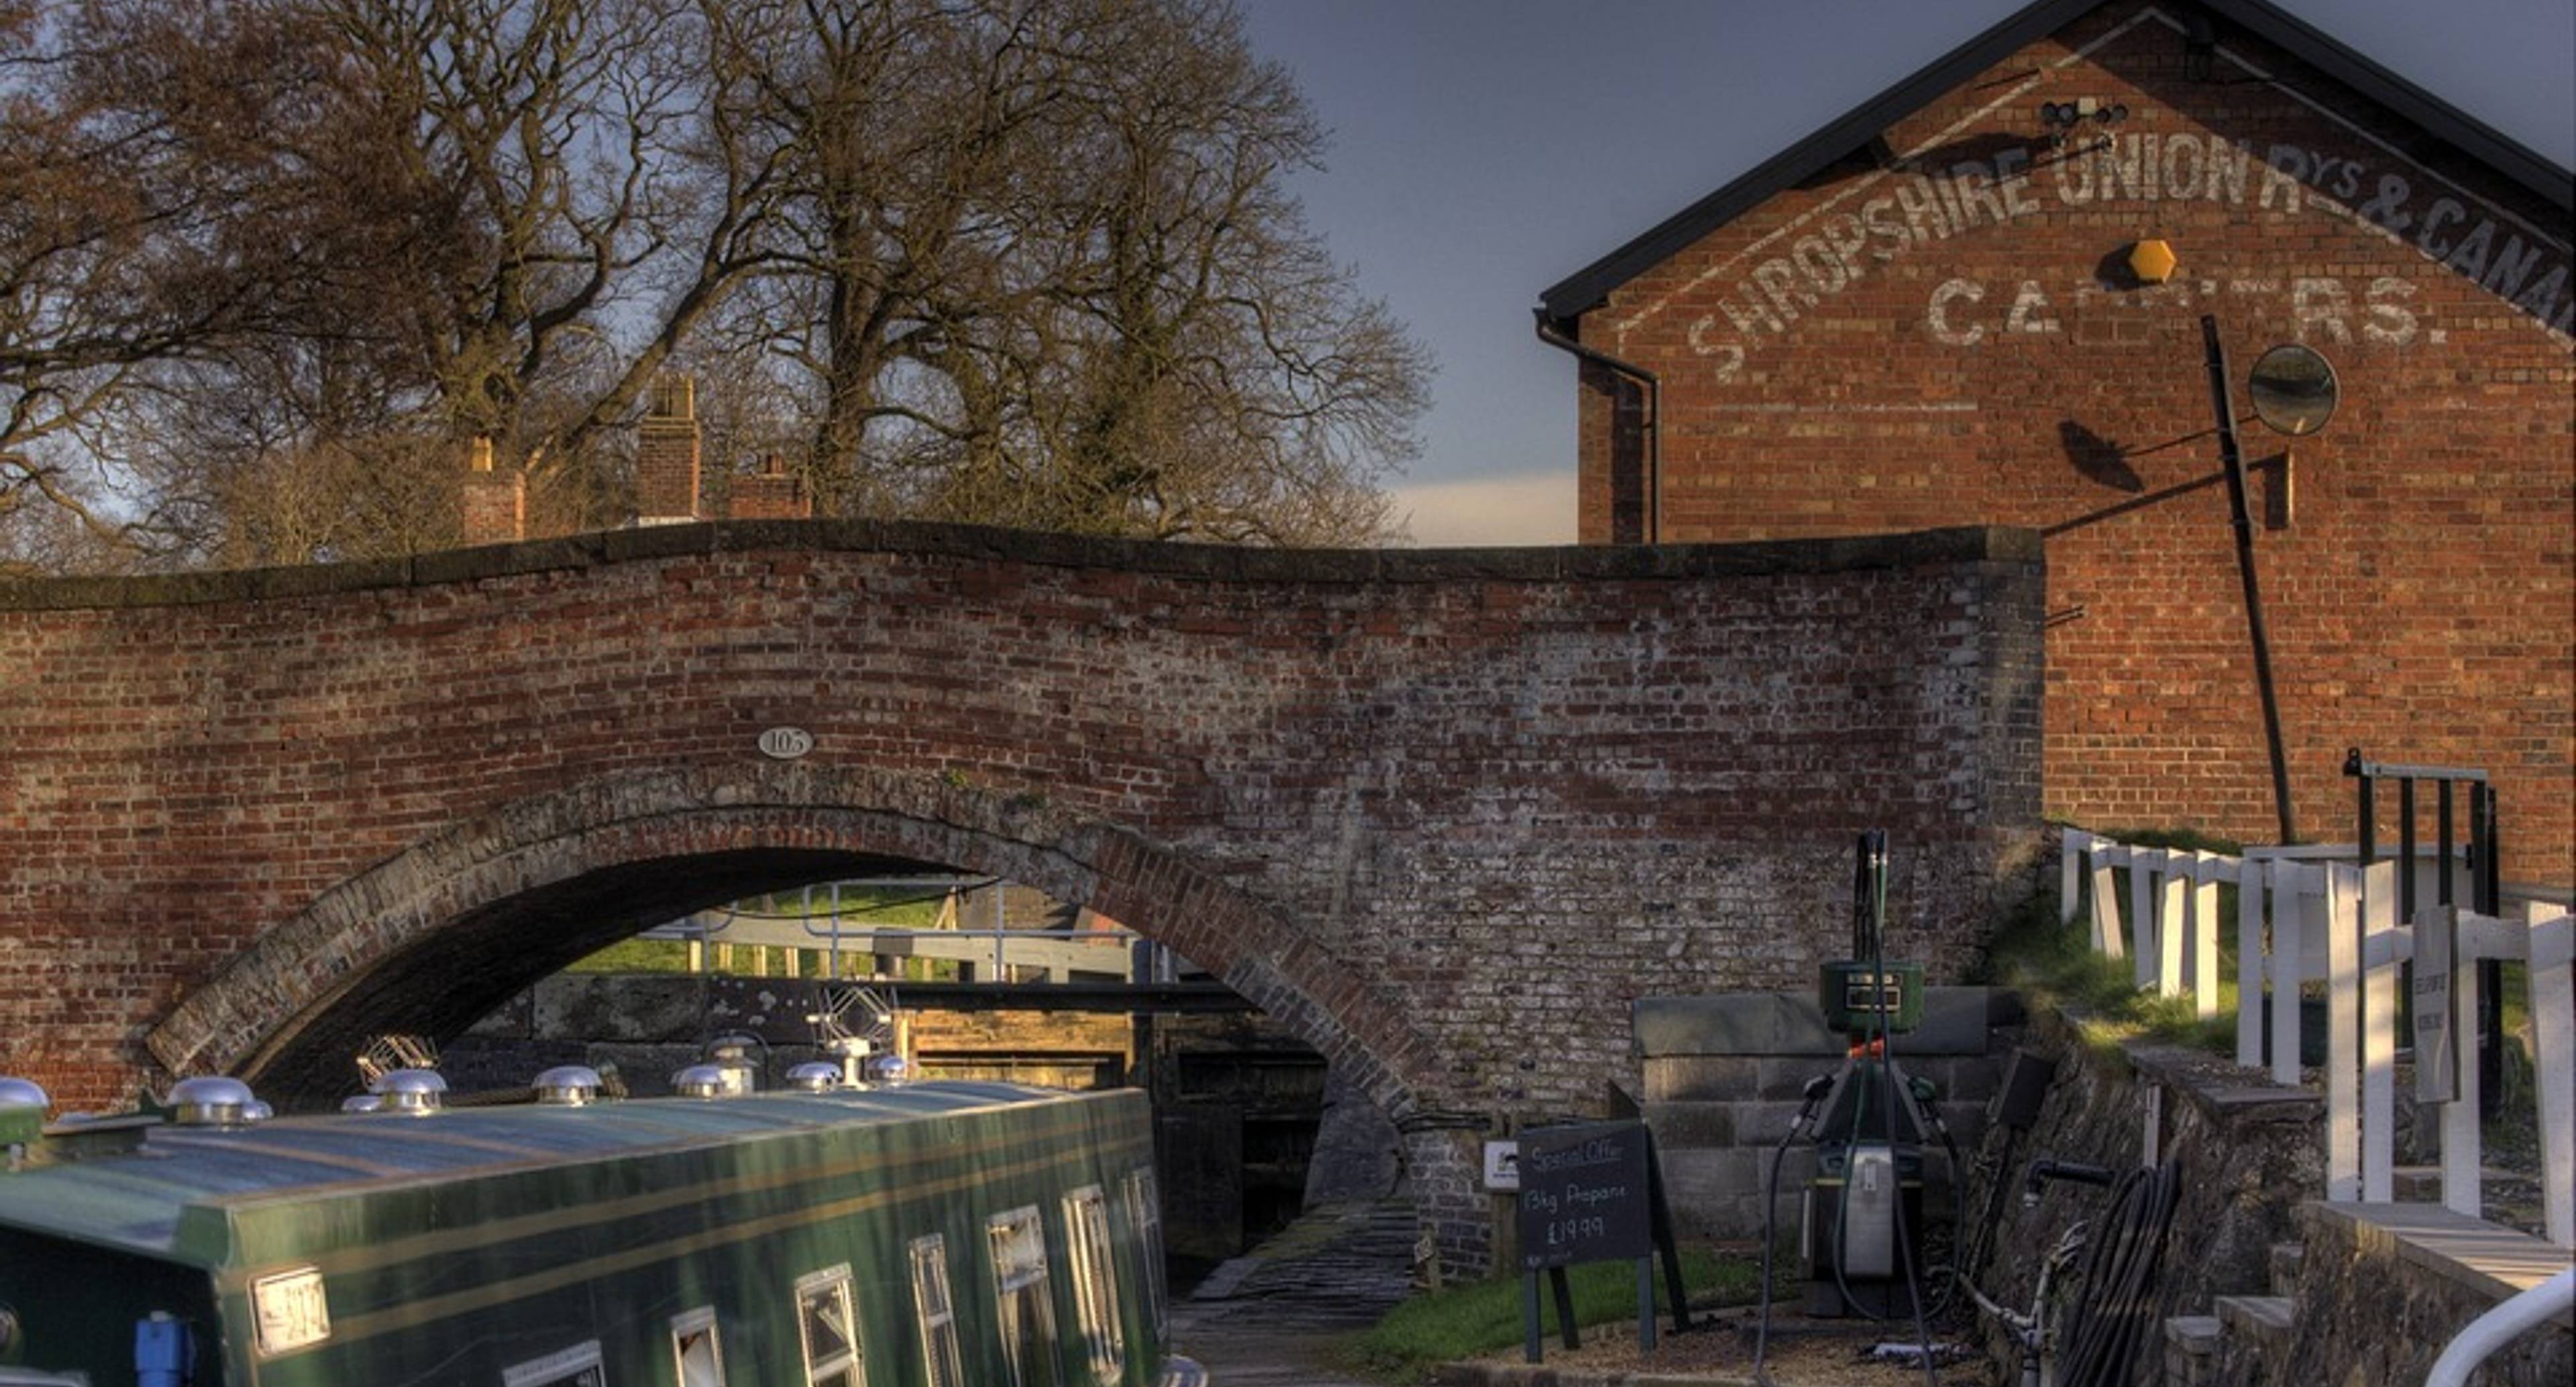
(1485, 1317)
(636, 956)
(2054, 964)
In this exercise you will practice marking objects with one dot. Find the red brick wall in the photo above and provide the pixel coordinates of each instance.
(1955, 342)
(769, 494)
(494, 504)
(1445, 814)
(667, 453)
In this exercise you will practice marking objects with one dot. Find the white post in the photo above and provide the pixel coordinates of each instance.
(2343, 1034)
(2142, 915)
(2249, 963)
(2106, 899)
(2553, 1032)
(2070, 853)
(2461, 1152)
(2378, 1035)
(2172, 899)
(2289, 963)
(2205, 867)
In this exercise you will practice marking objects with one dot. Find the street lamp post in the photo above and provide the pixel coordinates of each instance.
(2223, 403)
(2295, 392)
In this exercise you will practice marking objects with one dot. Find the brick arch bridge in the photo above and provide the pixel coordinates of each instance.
(1445, 814)
(545, 881)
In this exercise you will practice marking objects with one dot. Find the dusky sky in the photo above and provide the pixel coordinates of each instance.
(1485, 149)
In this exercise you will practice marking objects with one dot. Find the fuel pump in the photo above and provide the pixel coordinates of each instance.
(1861, 1233)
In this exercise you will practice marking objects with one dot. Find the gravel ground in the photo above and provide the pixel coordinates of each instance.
(1803, 1353)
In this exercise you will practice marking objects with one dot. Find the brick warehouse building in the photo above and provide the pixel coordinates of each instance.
(1925, 315)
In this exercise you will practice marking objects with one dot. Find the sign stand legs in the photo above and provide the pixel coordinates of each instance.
(1660, 1214)
(1646, 1298)
(1534, 1321)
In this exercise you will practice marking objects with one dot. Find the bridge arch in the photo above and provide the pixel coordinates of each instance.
(1446, 816)
(441, 933)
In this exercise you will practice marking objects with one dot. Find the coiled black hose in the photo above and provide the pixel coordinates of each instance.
(2109, 1325)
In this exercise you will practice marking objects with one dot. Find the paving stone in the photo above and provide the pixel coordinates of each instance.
(2263, 1316)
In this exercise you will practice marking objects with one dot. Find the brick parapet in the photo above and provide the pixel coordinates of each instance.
(1443, 815)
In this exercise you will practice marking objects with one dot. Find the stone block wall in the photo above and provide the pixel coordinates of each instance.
(2248, 1151)
(1723, 1077)
(2416, 1276)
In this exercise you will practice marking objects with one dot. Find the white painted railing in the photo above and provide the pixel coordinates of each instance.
(2509, 1320)
(2301, 916)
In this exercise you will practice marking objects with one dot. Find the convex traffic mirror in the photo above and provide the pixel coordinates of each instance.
(2294, 389)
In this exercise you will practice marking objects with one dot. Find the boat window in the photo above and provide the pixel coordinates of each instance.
(1095, 1281)
(577, 1366)
(1018, 1240)
(694, 1344)
(828, 1330)
(1145, 1216)
(938, 1316)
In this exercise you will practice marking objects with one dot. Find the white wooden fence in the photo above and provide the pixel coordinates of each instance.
(2303, 917)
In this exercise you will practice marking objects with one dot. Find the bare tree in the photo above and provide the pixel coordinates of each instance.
(112, 260)
(271, 264)
(898, 124)
(558, 195)
(505, 217)
(1221, 377)
(1044, 271)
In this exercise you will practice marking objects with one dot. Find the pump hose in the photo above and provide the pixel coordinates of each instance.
(1770, 1216)
(2112, 1322)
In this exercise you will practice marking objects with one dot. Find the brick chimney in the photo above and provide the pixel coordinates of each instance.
(770, 495)
(666, 454)
(494, 505)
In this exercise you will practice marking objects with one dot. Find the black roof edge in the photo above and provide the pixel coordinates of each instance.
(1585, 288)
(1582, 291)
(2459, 129)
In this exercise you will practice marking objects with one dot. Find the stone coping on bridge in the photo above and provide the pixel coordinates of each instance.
(1956, 1021)
(1221, 563)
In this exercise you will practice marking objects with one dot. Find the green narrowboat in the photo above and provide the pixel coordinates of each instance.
(939, 1234)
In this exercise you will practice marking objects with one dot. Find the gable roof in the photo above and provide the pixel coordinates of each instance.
(1576, 294)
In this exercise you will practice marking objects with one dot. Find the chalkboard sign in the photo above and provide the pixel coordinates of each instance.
(1585, 1195)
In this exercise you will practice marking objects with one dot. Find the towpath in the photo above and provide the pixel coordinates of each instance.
(1269, 1317)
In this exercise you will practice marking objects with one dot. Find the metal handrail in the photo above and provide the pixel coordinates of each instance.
(2509, 1320)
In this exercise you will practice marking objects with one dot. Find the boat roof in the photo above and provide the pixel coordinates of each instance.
(135, 1200)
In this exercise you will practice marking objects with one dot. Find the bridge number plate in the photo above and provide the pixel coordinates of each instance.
(786, 743)
(289, 1311)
